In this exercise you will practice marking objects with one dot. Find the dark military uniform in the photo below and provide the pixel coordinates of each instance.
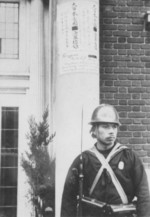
(129, 171)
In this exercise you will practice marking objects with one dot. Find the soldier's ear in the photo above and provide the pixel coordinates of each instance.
(93, 131)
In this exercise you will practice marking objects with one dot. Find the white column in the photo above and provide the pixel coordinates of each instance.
(77, 81)
(37, 70)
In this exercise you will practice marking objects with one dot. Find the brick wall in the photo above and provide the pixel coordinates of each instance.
(125, 69)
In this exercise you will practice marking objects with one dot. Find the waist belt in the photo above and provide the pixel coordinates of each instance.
(109, 208)
(105, 165)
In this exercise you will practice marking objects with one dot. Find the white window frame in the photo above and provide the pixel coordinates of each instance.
(19, 65)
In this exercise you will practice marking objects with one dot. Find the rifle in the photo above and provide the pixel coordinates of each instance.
(81, 176)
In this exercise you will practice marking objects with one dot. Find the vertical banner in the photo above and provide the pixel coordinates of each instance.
(77, 35)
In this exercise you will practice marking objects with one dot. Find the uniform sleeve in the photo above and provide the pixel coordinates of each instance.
(141, 188)
(70, 192)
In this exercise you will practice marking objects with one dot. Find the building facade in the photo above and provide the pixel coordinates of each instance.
(69, 55)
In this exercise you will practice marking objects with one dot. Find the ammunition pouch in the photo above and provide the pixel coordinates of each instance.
(95, 208)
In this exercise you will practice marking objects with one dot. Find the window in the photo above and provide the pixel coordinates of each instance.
(9, 30)
(9, 162)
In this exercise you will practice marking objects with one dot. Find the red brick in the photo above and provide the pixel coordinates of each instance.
(109, 39)
(137, 141)
(109, 64)
(108, 52)
(135, 34)
(122, 77)
(122, 52)
(108, 2)
(136, 115)
(135, 52)
(109, 95)
(146, 121)
(136, 90)
(122, 58)
(123, 108)
(137, 147)
(142, 153)
(122, 46)
(133, 15)
(136, 102)
(121, 40)
(136, 83)
(123, 70)
(122, 90)
(136, 128)
(109, 89)
(135, 3)
(122, 83)
(121, 64)
(145, 46)
(135, 27)
(108, 27)
(136, 77)
(108, 77)
(146, 147)
(123, 114)
(122, 9)
(110, 101)
(147, 102)
(124, 134)
(124, 140)
(136, 96)
(106, 58)
(125, 121)
(122, 27)
(136, 109)
(135, 40)
(138, 20)
(122, 96)
(137, 121)
(135, 59)
(107, 21)
(145, 59)
(145, 83)
(146, 109)
(133, 64)
(122, 102)
(106, 33)
(122, 15)
(136, 71)
(147, 77)
(145, 96)
(123, 128)
(122, 21)
(137, 134)
(108, 83)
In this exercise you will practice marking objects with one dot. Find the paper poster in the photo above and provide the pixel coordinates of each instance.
(78, 36)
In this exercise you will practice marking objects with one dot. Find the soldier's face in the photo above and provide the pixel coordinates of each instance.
(106, 133)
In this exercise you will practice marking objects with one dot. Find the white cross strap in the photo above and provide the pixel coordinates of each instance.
(105, 165)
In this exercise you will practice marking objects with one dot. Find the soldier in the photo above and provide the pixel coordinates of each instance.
(113, 175)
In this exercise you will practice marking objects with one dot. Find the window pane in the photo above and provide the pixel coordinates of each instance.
(10, 118)
(9, 139)
(8, 177)
(9, 30)
(8, 196)
(9, 162)
(8, 212)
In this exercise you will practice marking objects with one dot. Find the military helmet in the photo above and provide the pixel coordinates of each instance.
(105, 113)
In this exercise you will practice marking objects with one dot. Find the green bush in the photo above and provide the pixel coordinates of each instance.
(39, 167)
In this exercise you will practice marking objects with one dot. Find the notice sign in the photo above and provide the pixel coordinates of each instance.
(78, 36)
